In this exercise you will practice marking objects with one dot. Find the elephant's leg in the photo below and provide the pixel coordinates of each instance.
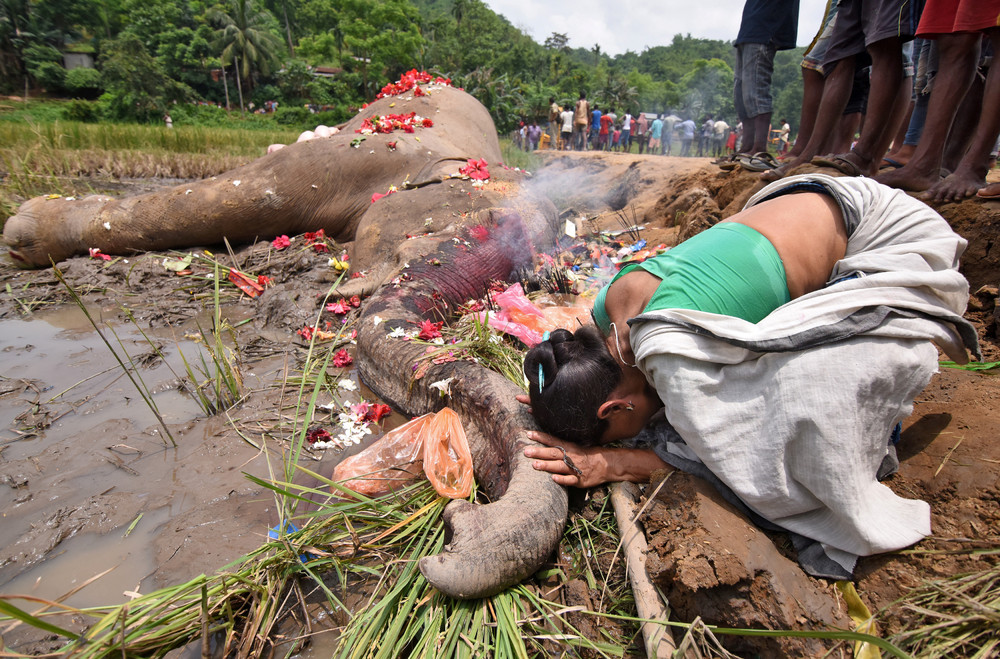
(320, 184)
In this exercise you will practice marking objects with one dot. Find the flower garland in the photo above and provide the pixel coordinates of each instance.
(388, 123)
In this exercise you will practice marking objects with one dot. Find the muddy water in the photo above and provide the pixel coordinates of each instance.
(88, 480)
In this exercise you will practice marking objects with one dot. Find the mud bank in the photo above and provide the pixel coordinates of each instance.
(77, 469)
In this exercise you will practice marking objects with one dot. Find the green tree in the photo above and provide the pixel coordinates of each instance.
(137, 87)
(247, 40)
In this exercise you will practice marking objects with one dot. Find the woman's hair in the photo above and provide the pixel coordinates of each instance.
(577, 376)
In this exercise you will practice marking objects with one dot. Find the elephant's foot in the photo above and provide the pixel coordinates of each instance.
(46, 231)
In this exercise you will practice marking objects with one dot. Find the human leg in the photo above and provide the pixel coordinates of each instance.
(970, 175)
(836, 90)
(957, 57)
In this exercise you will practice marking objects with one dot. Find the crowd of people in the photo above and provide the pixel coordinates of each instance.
(897, 90)
(588, 126)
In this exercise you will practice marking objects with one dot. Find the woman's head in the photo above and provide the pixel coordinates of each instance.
(577, 375)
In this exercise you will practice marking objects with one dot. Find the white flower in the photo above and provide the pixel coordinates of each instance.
(107, 225)
(236, 183)
(188, 191)
(329, 406)
(347, 385)
(268, 191)
(396, 333)
(444, 386)
(438, 341)
(351, 432)
(377, 320)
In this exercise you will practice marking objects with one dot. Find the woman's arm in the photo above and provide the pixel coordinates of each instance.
(579, 466)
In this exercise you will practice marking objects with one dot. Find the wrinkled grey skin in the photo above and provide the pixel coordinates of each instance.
(327, 184)
(496, 545)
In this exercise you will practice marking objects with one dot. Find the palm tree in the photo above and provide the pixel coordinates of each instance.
(245, 39)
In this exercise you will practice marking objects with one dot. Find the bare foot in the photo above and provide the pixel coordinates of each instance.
(991, 191)
(956, 186)
(49, 230)
(777, 173)
(908, 178)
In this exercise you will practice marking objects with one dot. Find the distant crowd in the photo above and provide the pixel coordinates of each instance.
(898, 90)
(587, 126)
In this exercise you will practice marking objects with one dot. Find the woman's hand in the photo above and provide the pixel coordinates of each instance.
(570, 464)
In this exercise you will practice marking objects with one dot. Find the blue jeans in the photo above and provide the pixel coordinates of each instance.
(752, 79)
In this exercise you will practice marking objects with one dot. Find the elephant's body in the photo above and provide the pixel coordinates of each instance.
(322, 183)
(328, 184)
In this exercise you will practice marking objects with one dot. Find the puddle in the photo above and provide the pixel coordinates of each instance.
(82, 456)
(85, 557)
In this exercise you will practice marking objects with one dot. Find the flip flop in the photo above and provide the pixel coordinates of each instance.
(756, 164)
(889, 163)
(991, 191)
(766, 157)
(840, 163)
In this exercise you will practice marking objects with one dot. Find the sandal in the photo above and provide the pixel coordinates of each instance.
(840, 163)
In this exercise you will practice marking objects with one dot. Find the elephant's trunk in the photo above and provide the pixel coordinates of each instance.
(496, 545)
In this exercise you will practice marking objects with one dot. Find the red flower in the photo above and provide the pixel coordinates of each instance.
(318, 434)
(419, 92)
(339, 307)
(391, 145)
(342, 358)
(427, 123)
(281, 242)
(479, 232)
(314, 236)
(377, 411)
(306, 332)
(95, 253)
(476, 170)
(379, 195)
(355, 301)
(263, 281)
(429, 330)
(320, 247)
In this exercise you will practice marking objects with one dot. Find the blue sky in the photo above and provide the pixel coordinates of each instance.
(620, 25)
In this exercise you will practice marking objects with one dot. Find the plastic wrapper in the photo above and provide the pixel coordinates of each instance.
(447, 459)
(520, 317)
(391, 462)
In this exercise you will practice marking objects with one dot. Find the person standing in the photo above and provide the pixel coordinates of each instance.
(604, 134)
(553, 127)
(655, 133)
(641, 131)
(705, 141)
(783, 137)
(767, 27)
(720, 130)
(581, 117)
(595, 126)
(566, 132)
(669, 123)
(687, 130)
(626, 135)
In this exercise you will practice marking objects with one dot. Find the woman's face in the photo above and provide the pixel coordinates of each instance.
(627, 423)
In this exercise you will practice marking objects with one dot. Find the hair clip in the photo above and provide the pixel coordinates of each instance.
(541, 378)
(545, 336)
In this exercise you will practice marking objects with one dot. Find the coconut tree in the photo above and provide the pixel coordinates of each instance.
(246, 39)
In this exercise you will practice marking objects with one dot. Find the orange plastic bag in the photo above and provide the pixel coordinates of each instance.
(447, 459)
(391, 462)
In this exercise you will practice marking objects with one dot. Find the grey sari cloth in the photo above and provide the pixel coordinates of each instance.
(793, 414)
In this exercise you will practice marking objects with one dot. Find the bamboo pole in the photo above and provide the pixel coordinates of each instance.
(658, 642)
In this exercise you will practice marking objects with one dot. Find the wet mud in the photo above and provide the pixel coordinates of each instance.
(89, 482)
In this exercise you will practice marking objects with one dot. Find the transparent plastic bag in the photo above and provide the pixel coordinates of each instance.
(447, 459)
(391, 462)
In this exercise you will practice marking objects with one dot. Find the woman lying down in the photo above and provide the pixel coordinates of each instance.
(783, 346)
